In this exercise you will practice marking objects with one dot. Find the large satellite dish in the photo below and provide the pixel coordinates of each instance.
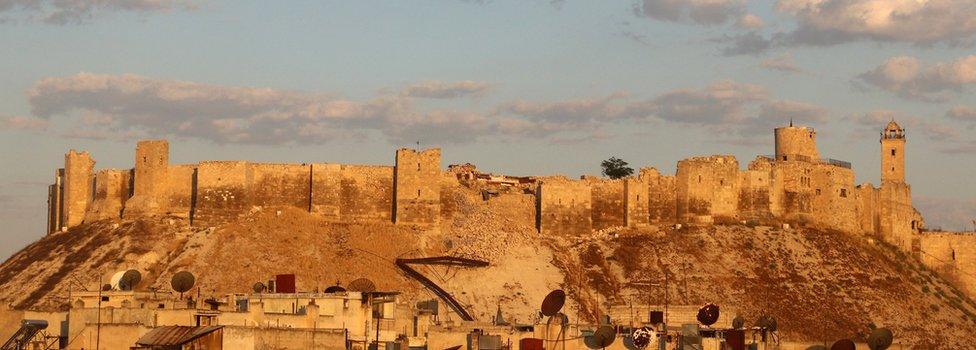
(708, 314)
(362, 285)
(601, 338)
(182, 282)
(880, 339)
(335, 289)
(843, 344)
(130, 279)
(553, 302)
(259, 287)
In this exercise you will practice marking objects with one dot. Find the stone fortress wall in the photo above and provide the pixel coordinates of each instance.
(795, 186)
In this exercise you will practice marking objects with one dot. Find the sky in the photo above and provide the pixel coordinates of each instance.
(520, 87)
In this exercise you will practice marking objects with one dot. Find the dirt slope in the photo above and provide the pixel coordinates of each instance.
(820, 285)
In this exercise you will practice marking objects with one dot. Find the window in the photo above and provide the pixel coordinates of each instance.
(953, 255)
(843, 192)
(784, 158)
(104, 298)
(699, 178)
(418, 166)
(418, 193)
(818, 191)
(892, 152)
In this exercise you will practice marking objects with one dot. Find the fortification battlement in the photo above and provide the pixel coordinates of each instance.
(793, 186)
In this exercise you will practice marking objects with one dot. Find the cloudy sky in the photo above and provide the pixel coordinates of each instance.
(514, 86)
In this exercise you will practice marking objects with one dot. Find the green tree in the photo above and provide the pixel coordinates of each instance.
(616, 168)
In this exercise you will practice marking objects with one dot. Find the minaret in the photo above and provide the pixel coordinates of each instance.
(893, 153)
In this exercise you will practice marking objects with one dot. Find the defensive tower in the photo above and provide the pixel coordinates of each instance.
(152, 167)
(796, 143)
(416, 188)
(78, 178)
(893, 153)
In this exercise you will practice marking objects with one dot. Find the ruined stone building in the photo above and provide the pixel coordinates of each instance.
(793, 186)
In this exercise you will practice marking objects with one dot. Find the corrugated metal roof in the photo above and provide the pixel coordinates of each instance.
(174, 335)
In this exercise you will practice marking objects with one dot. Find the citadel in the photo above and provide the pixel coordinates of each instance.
(794, 186)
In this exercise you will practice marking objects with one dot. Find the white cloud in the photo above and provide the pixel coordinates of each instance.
(962, 113)
(909, 78)
(721, 102)
(80, 11)
(706, 12)
(825, 22)
(947, 213)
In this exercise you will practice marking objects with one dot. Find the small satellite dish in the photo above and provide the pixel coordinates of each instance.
(738, 322)
(182, 282)
(816, 347)
(106, 287)
(708, 314)
(642, 337)
(362, 285)
(259, 287)
(880, 339)
(553, 302)
(601, 338)
(130, 279)
(843, 344)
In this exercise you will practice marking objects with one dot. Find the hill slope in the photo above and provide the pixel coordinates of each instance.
(820, 285)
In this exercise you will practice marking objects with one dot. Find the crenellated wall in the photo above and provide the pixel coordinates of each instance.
(366, 193)
(112, 188)
(564, 206)
(221, 192)
(608, 202)
(662, 192)
(707, 187)
(151, 177)
(953, 255)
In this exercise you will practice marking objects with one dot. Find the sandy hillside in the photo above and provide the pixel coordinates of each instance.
(820, 285)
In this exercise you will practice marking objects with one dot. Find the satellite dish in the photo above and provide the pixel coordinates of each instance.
(601, 338)
(116, 278)
(130, 279)
(553, 302)
(708, 314)
(362, 285)
(335, 289)
(843, 344)
(259, 287)
(642, 337)
(738, 322)
(880, 339)
(816, 347)
(106, 287)
(182, 282)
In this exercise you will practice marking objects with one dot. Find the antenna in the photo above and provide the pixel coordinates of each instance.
(182, 282)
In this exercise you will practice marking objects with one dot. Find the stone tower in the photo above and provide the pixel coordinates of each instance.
(796, 143)
(893, 153)
(152, 168)
(416, 187)
(78, 179)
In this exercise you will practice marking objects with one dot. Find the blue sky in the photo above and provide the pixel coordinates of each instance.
(514, 86)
